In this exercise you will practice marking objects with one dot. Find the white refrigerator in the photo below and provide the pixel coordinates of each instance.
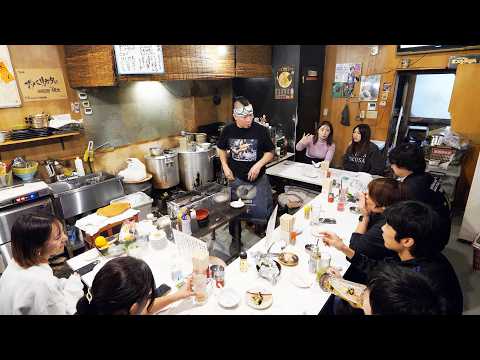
(471, 219)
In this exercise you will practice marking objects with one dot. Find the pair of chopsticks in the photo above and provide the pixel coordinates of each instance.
(257, 293)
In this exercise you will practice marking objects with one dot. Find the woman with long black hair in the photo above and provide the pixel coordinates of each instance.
(125, 286)
(362, 154)
(319, 146)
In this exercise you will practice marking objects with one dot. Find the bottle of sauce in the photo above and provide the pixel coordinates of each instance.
(243, 262)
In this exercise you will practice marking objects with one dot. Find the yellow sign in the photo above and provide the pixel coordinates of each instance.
(41, 84)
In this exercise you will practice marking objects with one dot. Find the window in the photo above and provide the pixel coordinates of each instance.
(431, 96)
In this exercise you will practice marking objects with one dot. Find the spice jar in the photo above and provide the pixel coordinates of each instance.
(243, 262)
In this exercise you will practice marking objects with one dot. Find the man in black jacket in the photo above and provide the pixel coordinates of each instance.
(397, 290)
(408, 163)
(409, 231)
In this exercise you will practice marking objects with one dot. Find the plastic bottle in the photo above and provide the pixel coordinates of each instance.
(176, 270)
(79, 167)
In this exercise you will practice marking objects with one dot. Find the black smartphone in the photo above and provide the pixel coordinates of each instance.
(87, 268)
(162, 290)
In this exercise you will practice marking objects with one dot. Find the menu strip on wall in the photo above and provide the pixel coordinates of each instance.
(139, 59)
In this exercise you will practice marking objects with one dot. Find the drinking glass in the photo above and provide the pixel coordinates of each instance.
(199, 285)
(323, 264)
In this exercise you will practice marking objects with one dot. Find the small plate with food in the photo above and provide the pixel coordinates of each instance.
(259, 298)
(288, 259)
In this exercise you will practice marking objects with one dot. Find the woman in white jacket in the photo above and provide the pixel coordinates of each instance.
(28, 286)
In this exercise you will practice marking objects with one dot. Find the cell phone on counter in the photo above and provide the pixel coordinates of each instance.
(87, 268)
(162, 290)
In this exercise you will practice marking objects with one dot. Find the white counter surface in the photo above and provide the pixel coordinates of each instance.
(308, 173)
(287, 298)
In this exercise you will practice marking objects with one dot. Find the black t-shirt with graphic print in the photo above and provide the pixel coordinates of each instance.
(247, 146)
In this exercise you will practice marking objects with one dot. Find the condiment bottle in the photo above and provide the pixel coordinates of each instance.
(243, 262)
(330, 197)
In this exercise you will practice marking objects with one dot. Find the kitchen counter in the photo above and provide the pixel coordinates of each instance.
(288, 298)
(306, 173)
(276, 161)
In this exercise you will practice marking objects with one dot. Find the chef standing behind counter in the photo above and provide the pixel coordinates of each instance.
(250, 150)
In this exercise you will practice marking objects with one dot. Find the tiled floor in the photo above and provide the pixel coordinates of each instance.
(459, 254)
(461, 257)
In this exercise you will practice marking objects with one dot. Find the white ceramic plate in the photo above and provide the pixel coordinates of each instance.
(237, 205)
(266, 302)
(301, 280)
(228, 298)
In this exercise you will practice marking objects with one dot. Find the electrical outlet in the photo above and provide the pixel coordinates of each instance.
(362, 114)
(325, 112)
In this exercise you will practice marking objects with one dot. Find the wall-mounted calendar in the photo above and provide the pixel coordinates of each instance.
(139, 59)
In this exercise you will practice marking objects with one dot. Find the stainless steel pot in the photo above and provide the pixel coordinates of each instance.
(201, 138)
(38, 121)
(196, 167)
(164, 169)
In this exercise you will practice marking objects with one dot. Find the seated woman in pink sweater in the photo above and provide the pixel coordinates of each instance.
(319, 146)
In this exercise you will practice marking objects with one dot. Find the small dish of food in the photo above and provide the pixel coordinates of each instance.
(288, 259)
(259, 298)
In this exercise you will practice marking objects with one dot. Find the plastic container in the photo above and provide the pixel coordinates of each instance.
(139, 201)
(79, 167)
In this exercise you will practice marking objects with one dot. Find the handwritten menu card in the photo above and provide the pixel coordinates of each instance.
(139, 59)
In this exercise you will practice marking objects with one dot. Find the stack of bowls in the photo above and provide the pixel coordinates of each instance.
(26, 173)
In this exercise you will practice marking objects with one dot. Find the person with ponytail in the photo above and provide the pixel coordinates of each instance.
(125, 286)
(28, 286)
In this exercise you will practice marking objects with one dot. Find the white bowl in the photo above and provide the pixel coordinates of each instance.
(228, 298)
(237, 204)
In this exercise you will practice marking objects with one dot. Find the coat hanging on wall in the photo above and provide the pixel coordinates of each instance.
(345, 116)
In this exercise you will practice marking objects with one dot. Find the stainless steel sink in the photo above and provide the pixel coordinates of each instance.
(86, 193)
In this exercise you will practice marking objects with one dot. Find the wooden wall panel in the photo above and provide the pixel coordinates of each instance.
(253, 60)
(40, 56)
(388, 64)
(90, 65)
(189, 62)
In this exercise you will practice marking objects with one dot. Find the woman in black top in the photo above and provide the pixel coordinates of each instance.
(367, 237)
(408, 163)
(362, 154)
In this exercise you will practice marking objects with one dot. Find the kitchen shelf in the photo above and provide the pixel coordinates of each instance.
(58, 136)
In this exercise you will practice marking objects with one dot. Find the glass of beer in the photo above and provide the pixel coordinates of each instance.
(199, 286)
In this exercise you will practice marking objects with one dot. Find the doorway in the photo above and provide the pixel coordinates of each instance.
(420, 105)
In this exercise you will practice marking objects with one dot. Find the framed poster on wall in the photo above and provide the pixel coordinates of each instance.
(9, 95)
(284, 82)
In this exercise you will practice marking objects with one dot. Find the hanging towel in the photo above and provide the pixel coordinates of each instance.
(345, 116)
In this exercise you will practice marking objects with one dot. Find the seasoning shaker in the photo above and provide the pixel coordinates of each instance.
(243, 262)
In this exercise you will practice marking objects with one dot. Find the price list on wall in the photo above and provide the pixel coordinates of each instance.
(139, 59)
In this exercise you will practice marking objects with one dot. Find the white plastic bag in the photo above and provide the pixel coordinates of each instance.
(135, 171)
